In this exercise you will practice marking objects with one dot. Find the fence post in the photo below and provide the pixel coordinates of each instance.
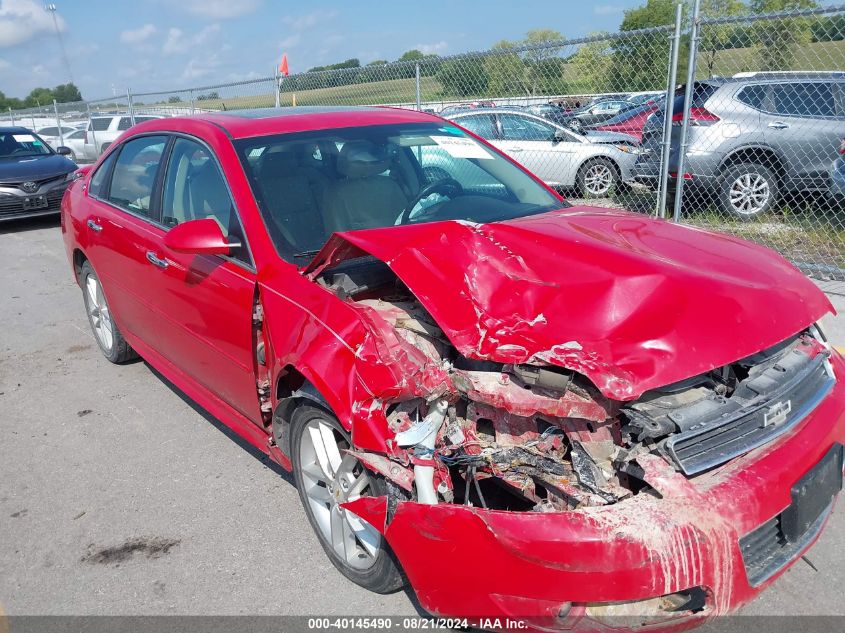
(191, 98)
(419, 96)
(58, 123)
(93, 132)
(131, 107)
(663, 183)
(688, 93)
(11, 116)
(32, 118)
(277, 87)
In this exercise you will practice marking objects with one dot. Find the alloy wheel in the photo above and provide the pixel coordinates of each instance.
(598, 179)
(98, 311)
(749, 194)
(330, 479)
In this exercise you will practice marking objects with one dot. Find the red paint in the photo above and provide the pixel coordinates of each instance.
(632, 126)
(630, 302)
(197, 237)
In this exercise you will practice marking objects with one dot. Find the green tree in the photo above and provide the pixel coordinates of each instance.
(38, 96)
(412, 55)
(718, 37)
(506, 72)
(66, 93)
(591, 66)
(778, 39)
(640, 61)
(174, 99)
(463, 77)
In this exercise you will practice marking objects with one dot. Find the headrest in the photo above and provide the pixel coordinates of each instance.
(360, 159)
(279, 163)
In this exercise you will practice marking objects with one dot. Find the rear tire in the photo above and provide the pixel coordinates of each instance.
(105, 330)
(747, 191)
(325, 477)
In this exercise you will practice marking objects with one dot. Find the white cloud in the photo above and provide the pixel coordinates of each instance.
(607, 9)
(199, 67)
(4, 64)
(309, 20)
(139, 35)
(21, 20)
(428, 49)
(180, 42)
(217, 9)
(290, 41)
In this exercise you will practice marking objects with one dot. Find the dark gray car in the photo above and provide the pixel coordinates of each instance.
(753, 138)
(33, 177)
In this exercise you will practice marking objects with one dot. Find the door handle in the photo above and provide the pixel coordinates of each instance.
(778, 125)
(94, 226)
(155, 260)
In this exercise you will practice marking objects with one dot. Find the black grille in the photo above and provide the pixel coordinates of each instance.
(766, 550)
(11, 205)
(724, 438)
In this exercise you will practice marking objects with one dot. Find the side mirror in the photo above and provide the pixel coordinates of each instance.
(199, 237)
(559, 136)
(63, 151)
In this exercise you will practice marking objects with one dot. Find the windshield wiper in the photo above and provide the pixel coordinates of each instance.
(305, 254)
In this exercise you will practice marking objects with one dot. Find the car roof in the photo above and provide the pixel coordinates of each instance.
(14, 129)
(263, 121)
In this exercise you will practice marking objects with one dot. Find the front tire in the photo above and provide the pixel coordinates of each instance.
(596, 178)
(748, 191)
(105, 330)
(325, 478)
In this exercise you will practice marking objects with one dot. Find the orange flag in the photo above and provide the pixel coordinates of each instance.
(283, 66)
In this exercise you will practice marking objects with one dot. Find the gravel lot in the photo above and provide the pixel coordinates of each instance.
(120, 496)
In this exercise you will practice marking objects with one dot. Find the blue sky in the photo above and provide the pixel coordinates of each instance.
(168, 44)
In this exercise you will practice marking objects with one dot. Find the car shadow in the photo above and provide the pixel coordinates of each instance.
(229, 433)
(30, 224)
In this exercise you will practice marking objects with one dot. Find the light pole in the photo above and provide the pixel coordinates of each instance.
(51, 9)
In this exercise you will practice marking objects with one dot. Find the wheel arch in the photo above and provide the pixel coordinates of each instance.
(79, 258)
(292, 389)
(760, 154)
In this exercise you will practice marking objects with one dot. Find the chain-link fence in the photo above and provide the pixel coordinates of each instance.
(762, 121)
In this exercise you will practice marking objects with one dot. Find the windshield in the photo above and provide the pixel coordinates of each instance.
(309, 185)
(22, 144)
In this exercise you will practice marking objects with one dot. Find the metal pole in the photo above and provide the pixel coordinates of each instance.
(277, 85)
(131, 107)
(191, 97)
(11, 116)
(58, 123)
(663, 185)
(419, 96)
(91, 126)
(688, 93)
(32, 118)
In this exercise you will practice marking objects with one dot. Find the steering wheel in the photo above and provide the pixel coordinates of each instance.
(445, 186)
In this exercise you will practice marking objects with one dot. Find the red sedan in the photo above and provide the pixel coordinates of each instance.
(538, 411)
(629, 122)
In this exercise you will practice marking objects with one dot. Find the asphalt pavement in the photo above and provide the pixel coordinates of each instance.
(118, 495)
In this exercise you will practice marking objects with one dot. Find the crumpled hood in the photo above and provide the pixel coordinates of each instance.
(631, 302)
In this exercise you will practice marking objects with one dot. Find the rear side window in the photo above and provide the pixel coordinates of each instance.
(96, 187)
(480, 124)
(520, 128)
(753, 96)
(135, 173)
(804, 99)
(701, 93)
(100, 124)
(125, 123)
(49, 131)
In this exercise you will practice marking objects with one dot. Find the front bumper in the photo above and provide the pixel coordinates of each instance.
(46, 200)
(469, 562)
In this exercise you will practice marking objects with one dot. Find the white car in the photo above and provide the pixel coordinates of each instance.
(593, 163)
(75, 142)
(50, 134)
(102, 131)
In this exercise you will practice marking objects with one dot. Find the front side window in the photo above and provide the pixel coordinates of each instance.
(49, 131)
(21, 145)
(135, 172)
(804, 99)
(380, 176)
(100, 124)
(522, 128)
(96, 187)
(194, 189)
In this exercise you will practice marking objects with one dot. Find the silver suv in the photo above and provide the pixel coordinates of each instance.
(753, 138)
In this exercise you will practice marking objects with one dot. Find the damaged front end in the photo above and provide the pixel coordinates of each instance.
(542, 438)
